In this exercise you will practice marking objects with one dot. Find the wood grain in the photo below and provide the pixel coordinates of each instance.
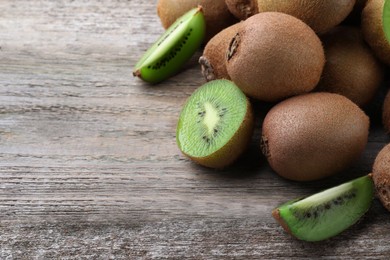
(89, 167)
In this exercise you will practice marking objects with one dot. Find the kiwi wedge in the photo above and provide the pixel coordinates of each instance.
(328, 213)
(215, 124)
(175, 47)
(386, 19)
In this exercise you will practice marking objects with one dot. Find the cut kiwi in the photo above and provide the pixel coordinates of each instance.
(328, 213)
(386, 19)
(215, 124)
(175, 47)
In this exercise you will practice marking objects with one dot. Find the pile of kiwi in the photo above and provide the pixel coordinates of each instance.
(320, 64)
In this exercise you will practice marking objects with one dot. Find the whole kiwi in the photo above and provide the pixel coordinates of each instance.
(312, 136)
(213, 60)
(351, 68)
(274, 56)
(373, 29)
(381, 176)
(216, 13)
(386, 113)
(321, 15)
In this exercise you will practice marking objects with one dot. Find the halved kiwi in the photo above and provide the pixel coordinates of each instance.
(215, 124)
(328, 213)
(175, 47)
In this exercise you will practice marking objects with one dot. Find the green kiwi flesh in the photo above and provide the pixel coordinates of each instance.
(328, 213)
(175, 47)
(386, 19)
(215, 124)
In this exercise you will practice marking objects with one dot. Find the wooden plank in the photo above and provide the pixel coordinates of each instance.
(89, 165)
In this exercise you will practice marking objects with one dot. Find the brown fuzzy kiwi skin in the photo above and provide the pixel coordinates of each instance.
(229, 153)
(320, 15)
(313, 136)
(213, 60)
(216, 13)
(386, 113)
(274, 56)
(373, 30)
(381, 176)
(351, 68)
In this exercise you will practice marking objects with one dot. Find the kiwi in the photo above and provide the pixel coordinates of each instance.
(320, 15)
(372, 27)
(381, 176)
(214, 54)
(386, 113)
(175, 47)
(216, 13)
(274, 56)
(312, 136)
(215, 124)
(351, 68)
(327, 213)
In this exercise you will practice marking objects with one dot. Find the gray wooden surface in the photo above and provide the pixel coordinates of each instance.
(89, 167)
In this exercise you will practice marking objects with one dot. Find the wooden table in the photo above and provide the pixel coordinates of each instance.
(89, 165)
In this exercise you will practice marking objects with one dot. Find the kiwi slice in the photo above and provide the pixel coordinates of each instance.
(386, 19)
(175, 47)
(215, 124)
(328, 213)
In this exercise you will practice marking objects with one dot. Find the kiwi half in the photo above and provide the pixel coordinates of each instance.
(175, 47)
(215, 124)
(328, 213)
